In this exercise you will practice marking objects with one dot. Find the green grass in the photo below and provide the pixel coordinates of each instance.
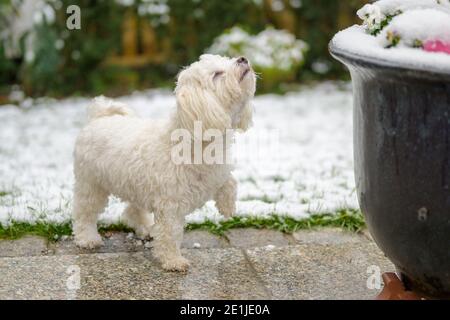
(50, 231)
(16, 230)
(4, 193)
(351, 220)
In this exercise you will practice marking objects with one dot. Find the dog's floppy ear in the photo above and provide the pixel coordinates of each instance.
(197, 104)
(245, 121)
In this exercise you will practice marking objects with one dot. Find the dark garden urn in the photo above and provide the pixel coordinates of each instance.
(402, 165)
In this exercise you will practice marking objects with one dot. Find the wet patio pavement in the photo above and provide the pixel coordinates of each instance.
(243, 264)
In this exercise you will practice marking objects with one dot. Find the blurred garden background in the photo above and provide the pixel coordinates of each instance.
(127, 45)
(132, 50)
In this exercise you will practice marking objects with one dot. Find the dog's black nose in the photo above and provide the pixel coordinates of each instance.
(242, 60)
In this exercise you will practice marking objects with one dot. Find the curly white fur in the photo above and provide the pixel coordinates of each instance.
(118, 153)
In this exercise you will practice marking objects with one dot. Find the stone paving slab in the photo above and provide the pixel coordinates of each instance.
(250, 264)
(214, 274)
(123, 242)
(250, 238)
(197, 239)
(26, 246)
(331, 236)
(318, 271)
(115, 242)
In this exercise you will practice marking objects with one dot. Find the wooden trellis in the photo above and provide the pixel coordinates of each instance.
(140, 45)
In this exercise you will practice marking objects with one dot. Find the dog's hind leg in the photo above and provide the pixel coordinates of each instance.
(88, 203)
(139, 220)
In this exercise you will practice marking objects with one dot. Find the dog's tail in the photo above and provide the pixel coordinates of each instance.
(104, 107)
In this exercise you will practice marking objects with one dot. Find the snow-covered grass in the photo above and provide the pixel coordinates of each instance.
(295, 162)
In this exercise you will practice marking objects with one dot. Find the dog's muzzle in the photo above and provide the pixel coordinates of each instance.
(243, 62)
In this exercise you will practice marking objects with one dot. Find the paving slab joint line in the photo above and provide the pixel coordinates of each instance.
(253, 271)
(224, 236)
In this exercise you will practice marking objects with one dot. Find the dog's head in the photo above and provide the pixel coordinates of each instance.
(216, 91)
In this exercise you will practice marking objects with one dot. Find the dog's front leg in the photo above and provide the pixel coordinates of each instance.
(168, 235)
(225, 198)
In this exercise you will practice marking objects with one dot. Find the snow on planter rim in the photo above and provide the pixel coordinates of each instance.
(375, 14)
(389, 7)
(422, 26)
(354, 42)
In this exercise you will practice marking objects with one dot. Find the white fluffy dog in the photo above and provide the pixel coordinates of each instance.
(129, 157)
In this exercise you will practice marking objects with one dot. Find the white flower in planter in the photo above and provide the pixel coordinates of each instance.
(371, 16)
(378, 15)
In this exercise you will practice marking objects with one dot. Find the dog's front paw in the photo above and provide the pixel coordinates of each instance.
(90, 241)
(180, 264)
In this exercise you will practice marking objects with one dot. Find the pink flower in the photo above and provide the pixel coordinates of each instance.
(437, 46)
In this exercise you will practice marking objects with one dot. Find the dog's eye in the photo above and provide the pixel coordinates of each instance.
(217, 74)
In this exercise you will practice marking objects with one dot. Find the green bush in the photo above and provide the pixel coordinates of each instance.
(276, 54)
(67, 62)
(62, 62)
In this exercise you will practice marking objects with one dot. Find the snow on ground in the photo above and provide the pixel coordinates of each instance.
(296, 160)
